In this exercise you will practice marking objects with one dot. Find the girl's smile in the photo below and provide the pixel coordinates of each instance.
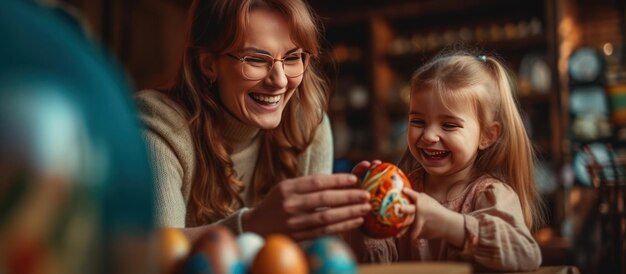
(435, 155)
(443, 136)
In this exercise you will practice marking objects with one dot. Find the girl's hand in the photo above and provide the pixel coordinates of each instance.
(362, 167)
(309, 207)
(432, 220)
(410, 211)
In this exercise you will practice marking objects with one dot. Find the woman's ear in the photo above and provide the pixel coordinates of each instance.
(208, 65)
(489, 136)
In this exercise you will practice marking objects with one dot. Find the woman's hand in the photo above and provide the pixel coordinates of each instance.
(362, 167)
(431, 220)
(309, 207)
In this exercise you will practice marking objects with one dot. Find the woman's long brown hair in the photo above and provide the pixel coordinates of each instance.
(218, 26)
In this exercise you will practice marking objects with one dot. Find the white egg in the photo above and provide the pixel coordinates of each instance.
(249, 244)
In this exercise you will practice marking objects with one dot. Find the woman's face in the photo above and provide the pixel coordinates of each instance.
(261, 102)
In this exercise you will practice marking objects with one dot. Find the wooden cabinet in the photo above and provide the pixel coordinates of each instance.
(377, 46)
(145, 36)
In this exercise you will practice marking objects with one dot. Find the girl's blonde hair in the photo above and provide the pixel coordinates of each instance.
(218, 27)
(484, 84)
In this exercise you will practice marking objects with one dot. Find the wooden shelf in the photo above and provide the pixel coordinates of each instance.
(535, 97)
(338, 13)
(375, 28)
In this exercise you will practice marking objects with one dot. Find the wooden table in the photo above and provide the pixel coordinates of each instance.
(416, 268)
(449, 268)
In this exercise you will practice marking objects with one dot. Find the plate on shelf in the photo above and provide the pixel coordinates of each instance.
(535, 74)
(586, 65)
(589, 100)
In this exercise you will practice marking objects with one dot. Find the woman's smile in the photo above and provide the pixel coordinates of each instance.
(263, 99)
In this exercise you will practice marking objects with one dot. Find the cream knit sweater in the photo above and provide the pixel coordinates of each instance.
(169, 143)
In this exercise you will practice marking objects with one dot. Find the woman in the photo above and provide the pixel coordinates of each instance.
(241, 139)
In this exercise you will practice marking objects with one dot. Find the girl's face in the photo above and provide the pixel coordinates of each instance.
(260, 102)
(443, 139)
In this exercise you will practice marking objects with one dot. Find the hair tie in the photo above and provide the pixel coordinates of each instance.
(482, 58)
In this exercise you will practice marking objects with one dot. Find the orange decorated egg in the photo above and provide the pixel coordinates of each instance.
(173, 248)
(385, 182)
(279, 255)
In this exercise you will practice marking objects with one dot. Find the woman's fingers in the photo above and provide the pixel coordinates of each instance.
(311, 206)
(331, 198)
(316, 183)
(336, 228)
(363, 166)
(328, 216)
(360, 168)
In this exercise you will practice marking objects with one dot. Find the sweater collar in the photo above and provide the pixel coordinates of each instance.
(236, 132)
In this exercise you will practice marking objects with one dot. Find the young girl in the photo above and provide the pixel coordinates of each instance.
(470, 163)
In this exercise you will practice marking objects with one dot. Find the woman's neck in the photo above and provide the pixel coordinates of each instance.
(236, 134)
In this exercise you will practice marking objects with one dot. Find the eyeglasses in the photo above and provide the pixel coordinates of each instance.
(258, 66)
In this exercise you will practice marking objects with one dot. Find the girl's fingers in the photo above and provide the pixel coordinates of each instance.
(408, 209)
(415, 230)
(402, 232)
(412, 194)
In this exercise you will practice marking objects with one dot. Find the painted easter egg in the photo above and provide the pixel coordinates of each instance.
(330, 255)
(219, 247)
(173, 249)
(197, 264)
(385, 182)
(249, 244)
(279, 255)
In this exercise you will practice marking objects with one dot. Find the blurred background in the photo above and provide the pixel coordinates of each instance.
(568, 56)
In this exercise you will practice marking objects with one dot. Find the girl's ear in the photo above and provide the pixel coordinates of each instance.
(489, 136)
(208, 65)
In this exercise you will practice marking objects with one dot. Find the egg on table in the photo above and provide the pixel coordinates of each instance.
(219, 247)
(173, 248)
(249, 245)
(330, 255)
(279, 255)
(197, 264)
(385, 182)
